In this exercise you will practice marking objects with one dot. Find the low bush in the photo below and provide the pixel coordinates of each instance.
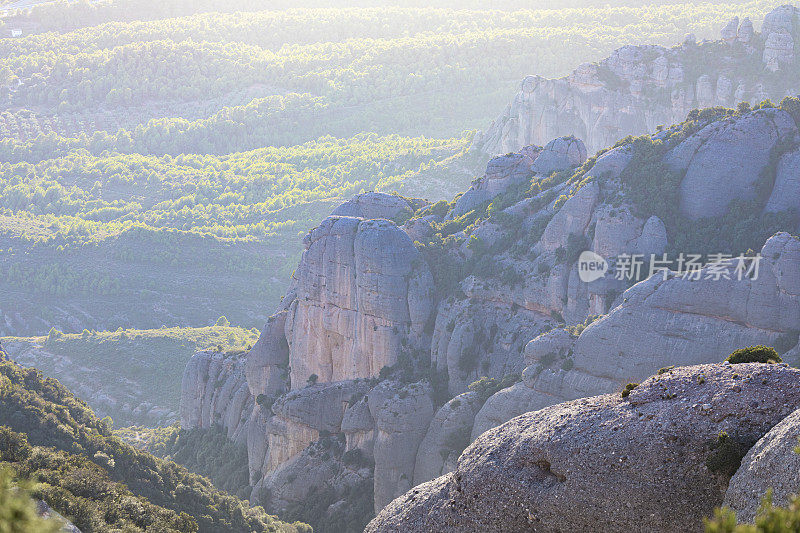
(754, 354)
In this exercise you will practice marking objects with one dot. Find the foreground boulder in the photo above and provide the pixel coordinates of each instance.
(648, 462)
(771, 464)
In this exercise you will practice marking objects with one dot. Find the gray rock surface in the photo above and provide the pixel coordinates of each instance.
(728, 160)
(674, 321)
(451, 426)
(374, 205)
(300, 416)
(560, 154)
(502, 172)
(47, 512)
(786, 192)
(638, 88)
(771, 464)
(402, 415)
(605, 463)
(214, 392)
(363, 299)
(362, 291)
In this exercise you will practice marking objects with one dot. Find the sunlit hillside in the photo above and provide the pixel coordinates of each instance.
(104, 212)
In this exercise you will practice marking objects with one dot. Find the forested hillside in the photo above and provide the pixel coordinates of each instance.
(149, 150)
(94, 479)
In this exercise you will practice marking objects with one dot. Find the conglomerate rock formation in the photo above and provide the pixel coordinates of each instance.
(652, 461)
(641, 87)
(370, 371)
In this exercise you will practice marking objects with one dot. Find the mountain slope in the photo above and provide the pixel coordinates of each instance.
(97, 481)
(148, 391)
(102, 205)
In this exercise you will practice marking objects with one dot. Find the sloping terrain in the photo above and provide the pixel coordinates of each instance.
(132, 376)
(130, 188)
(95, 480)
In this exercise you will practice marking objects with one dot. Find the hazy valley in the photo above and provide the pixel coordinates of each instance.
(326, 267)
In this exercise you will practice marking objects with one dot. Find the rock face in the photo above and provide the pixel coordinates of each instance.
(362, 291)
(374, 205)
(401, 418)
(447, 435)
(365, 350)
(605, 463)
(641, 87)
(712, 178)
(771, 464)
(660, 323)
(214, 392)
(501, 173)
(786, 193)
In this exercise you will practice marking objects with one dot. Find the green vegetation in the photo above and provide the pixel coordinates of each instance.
(83, 491)
(153, 363)
(726, 455)
(18, 510)
(97, 481)
(310, 64)
(653, 189)
(101, 233)
(207, 452)
(769, 519)
(129, 186)
(754, 354)
(628, 388)
(485, 387)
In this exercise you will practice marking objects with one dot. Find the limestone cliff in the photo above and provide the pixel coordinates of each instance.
(639, 88)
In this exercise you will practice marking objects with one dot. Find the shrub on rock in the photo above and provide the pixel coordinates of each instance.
(754, 354)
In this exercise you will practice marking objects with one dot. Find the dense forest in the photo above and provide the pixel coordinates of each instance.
(203, 137)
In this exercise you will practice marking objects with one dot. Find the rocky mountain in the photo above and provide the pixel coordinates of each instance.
(639, 88)
(411, 329)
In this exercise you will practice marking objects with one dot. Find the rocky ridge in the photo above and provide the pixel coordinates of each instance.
(350, 380)
(639, 88)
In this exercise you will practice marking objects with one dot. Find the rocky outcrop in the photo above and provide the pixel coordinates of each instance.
(640, 87)
(366, 350)
(362, 293)
(501, 173)
(786, 192)
(712, 179)
(447, 436)
(300, 416)
(660, 322)
(402, 415)
(374, 205)
(650, 461)
(214, 392)
(772, 464)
